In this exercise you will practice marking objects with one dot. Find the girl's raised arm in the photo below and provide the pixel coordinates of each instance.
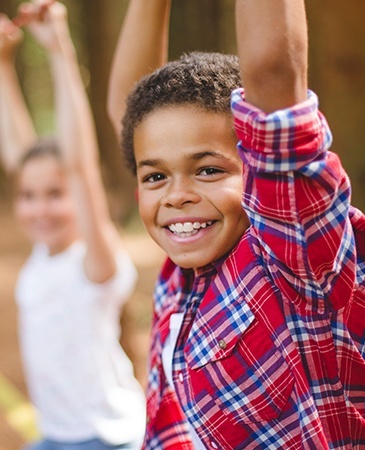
(17, 133)
(77, 138)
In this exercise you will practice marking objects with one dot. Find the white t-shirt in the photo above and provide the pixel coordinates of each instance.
(79, 378)
(167, 353)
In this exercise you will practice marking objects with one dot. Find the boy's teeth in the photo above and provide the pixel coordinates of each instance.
(179, 227)
(188, 227)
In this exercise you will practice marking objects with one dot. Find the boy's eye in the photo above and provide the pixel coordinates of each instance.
(209, 171)
(154, 178)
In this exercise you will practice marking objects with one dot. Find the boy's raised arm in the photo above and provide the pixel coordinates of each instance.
(142, 47)
(272, 47)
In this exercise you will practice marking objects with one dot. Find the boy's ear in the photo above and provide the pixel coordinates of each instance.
(136, 196)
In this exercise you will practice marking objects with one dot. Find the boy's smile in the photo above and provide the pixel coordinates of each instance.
(190, 183)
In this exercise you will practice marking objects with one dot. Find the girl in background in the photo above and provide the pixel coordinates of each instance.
(71, 288)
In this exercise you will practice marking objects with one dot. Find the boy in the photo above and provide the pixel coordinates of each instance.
(258, 330)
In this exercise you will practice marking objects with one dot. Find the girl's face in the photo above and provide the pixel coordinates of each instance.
(43, 205)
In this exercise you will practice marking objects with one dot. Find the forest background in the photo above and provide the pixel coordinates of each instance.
(336, 74)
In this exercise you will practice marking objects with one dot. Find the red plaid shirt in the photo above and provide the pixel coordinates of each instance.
(271, 353)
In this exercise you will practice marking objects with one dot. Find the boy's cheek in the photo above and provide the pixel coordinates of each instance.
(145, 207)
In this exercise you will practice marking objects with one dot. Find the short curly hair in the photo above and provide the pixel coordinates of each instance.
(205, 80)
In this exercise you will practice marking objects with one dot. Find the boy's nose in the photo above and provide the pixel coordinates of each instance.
(180, 195)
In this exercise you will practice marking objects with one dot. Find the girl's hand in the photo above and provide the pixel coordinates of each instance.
(46, 20)
(10, 37)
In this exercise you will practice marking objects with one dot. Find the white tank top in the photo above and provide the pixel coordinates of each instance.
(79, 378)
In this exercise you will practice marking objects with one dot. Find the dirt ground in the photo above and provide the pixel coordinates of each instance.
(135, 320)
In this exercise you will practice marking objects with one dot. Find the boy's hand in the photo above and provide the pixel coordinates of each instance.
(10, 37)
(47, 22)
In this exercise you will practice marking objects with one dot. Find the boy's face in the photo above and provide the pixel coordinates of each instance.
(190, 183)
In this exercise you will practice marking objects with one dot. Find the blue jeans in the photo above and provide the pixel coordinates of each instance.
(93, 444)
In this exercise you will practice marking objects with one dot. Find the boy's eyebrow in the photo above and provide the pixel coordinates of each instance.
(149, 162)
(201, 155)
(194, 156)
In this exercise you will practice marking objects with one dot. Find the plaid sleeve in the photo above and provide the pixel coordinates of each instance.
(296, 195)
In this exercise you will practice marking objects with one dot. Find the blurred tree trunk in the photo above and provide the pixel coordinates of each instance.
(205, 25)
(8, 7)
(337, 74)
(99, 25)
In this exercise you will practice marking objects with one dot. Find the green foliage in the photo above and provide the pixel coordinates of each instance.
(37, 86)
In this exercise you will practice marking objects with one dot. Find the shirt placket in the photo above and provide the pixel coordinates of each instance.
(179, 364)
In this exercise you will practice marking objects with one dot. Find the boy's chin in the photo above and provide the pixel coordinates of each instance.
(192, 263)
(186, 262)
(199, 259)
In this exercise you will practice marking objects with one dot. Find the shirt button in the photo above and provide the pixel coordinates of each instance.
(213, 444)
(181, 377)
(222, 344)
